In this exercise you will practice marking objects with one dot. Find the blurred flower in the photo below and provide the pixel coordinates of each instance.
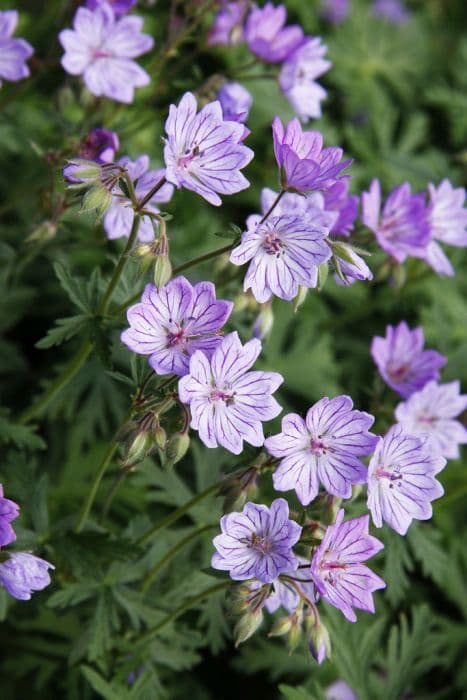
(351, 266)
(283, 595)
(203, 152)
(118, 219)
(392, 10)
(120, 7)
(235, 101)
(13, 52)
(340, 691)
(303, 162)
(344, 206)
(266, 35)
(101, 48)
(401, 360)
(401, 481)
(325, 448)
(227, 401)
(227, 26)
(337, 569)
(100, 146)
(9, 510)
(297, 78)
(285, 252)
(23, 573)
(447, 219)
(335, 11)
(257, 543)
(431, 412)
(401, 229)
(171, 323)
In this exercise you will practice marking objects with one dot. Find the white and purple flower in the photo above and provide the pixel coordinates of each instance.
(298, 75)
(285, 252)
(23, 573)
(432, 412)
(401, 360)
(257, 543)
(337, 569)
(120, 7)
(393, 11)
(227, 27)
(401, 480)
(228, 402)
(236, 102)
(171, 323)
(325, 448)
(266, 35)
(101, 48)
(203, 152)
(13, 52)
(335, 11)
(447, 218)
(9, 510)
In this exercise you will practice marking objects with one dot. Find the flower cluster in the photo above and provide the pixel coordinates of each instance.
(13, 52)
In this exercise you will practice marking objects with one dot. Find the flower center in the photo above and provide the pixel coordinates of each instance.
(398, 372)
(188, 156)
(394, 477)
(272, 244)
(99, 53)
(175, 338)
(261, 544)
(318, 446)
(226, 395)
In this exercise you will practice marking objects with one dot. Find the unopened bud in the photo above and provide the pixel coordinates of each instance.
(398, 276)
(162, 271)
(80, 171)
(295, 633)
(43, 233)
(138, 449)
(323, 272)
(97, 198)
(282, 626)
(300, 298)
(319, 642)
(264, 322)
(247, 626)
(160, 436)
(177, 447)
(331, 508)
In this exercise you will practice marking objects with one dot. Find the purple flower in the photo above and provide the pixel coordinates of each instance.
(340, 690)
(120, 7)
(392, 10)
(352, 267)
(118, 218)
(171, 323)
(298, 75)
(235, 101)
(9, 511)
(13, 52)
(447, 218)
(343, 205)
(337, 569)
(227, 26)
(101, 48)
(335, 11)
(401, 481)
(257, 543)
(285, 252)
(431, 412)
(284, 596)
(100, 146)
(227, 401)
(303, 162)
(310, 207)
(402, 228)
(324, 448)
(266, 36)
(23, 573)
(401, 360)
(203, 152)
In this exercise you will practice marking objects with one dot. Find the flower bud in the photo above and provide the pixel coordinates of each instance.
(160, 436)
(80, 171)
(43, 233)
(319, 641)
(247, 626)
(300, 298)
(97, 198)
(177, 447)
(264, 322)
(239, 486)
(323, 271)
(162, 271)
(282, 626)
(138, 449)
(295, 633)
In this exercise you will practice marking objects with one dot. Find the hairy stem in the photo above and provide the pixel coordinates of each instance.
(147, 197)
(273, 206)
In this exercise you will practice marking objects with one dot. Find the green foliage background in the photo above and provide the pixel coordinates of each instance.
(398, 105)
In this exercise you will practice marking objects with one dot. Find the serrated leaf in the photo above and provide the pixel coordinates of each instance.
(73, 286)
(100, 685)
(21, 436)
(64, 329)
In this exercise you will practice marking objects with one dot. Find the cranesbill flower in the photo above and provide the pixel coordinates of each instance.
(235, 101)
(304, 164)
(119, 217)
(227, 27)
(432, 412)
(339, 690)
(13, 52)
(447, 218)
(100, 146)
(392, 10)
(101, 48)
(23, 573)
(203, 152)
(9, 511)
(266, 35)
(228, 402)
(337, 569)
(402, 228)
(401, 481)
(335, 11)
(352, 266)
(120, 7)
(171, 323)
(310, 207)
(257, 543)
(325, 448)
(401, 360)
(284, 596)
(343, 205)
(298, 78)
(285, 252)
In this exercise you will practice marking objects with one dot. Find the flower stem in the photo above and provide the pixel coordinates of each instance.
(177, 514)
(191, 602)
(273, 206)
(108, 455)
(147, 197)
(171, 554)
(85, 350)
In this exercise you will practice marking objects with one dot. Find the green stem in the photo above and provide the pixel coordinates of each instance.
(85, 350)
(109, 453)
(171, 554)
(191, 602)
(177, 514)
(273, 206)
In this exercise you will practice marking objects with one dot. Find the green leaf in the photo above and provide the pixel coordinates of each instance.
(73, 286)
(64, 329)
(21, 436)
(100, 685)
